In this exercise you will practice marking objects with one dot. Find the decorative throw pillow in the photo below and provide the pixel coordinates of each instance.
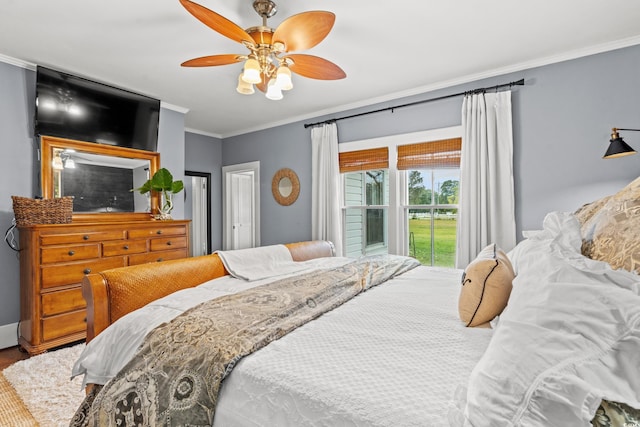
(614, 414)
(486, 286)
(585, 213)
(613, 234)
(588, 216)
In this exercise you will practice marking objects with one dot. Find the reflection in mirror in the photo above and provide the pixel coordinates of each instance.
(100, 183)
(99, 177)
(285, 187)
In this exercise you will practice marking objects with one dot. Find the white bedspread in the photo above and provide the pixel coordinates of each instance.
(392, 356)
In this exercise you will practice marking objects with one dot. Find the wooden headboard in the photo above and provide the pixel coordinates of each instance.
(113, 293)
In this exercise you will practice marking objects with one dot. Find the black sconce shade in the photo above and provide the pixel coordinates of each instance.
(617, 146)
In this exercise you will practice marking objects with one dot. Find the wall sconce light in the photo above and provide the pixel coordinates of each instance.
(617, 146)
(63, 160)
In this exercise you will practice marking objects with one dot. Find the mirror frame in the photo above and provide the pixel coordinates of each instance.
(47, 146)
(295, 186)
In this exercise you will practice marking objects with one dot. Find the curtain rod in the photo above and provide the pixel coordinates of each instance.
(468, 92)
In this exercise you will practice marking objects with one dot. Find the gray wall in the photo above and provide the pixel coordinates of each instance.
(561, 120)
(171, 148)
(204, 154)
(282, 147)
(17, 92)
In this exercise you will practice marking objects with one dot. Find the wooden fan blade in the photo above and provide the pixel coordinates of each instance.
(304, 30)
(315, 67)
(213, 60)
(217, 22)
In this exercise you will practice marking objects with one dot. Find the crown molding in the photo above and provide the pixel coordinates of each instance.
(172, 107)
(200, 132)
(17, 62)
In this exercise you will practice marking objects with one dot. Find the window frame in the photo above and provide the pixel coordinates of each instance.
(397, 227)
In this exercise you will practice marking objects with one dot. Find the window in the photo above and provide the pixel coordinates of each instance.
(433, 179)
(366, 200)
(401, 195)
(432, 215)
(365, 214)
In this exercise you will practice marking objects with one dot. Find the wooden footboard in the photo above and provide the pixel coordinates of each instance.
(113, 293)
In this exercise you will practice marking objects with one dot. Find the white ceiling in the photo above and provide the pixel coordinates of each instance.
(388, 50)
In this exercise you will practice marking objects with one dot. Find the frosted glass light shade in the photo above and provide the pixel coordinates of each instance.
(251, 71)
(273, 91)
(283, 78)
(244, 87)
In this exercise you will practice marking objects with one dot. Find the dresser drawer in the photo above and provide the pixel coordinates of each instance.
(157, 256)
(167, 243)
(68, 274)
(69, 253)
(124, 248)
(81, 237)
(62, 301)
(64, 324)
(158, 231)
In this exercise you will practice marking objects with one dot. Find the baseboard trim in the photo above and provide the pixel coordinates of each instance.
(8, 336)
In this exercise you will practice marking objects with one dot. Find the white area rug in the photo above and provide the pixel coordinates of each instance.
(43, 383)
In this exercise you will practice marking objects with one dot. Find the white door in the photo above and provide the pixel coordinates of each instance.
(242, 206)
(199, 220)
(242, 210)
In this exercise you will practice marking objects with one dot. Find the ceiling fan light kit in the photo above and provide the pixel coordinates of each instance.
(269, 63)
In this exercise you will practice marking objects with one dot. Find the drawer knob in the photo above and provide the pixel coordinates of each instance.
(71, 253)
(159, 232)
(159, 260)
(126, 247)
(169, 243)
(85, 237)
(87, 270)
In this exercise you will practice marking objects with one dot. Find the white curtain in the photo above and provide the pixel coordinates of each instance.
(486, 205)
(325, 187)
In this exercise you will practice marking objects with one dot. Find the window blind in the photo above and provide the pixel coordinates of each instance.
(361, 160)
(430, 155)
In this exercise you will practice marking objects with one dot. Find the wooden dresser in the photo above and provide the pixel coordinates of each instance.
(54, 259)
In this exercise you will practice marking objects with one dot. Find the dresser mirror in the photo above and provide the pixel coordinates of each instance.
(99, 177)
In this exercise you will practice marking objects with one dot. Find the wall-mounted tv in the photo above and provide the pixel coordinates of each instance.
(76, 108)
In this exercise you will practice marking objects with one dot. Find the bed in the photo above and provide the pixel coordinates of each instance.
(387, 347)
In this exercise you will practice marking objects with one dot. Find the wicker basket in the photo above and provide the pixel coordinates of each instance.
(42, 211)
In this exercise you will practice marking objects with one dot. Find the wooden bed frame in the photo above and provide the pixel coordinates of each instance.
(113, 293)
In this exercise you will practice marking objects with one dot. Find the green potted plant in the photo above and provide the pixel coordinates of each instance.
(162, 182)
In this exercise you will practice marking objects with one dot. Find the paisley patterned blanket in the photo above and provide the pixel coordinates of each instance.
(175, 377)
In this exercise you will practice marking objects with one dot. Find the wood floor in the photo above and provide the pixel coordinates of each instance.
(11, 355)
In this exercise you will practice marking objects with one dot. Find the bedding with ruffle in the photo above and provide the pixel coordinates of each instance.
(568, 338)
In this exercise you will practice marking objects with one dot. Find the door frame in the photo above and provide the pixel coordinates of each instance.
(206, 175)
(227, 172)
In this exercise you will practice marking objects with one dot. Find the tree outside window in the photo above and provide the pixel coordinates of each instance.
(432, 215)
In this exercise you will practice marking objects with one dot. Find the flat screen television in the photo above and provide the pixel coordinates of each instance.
(76, 108)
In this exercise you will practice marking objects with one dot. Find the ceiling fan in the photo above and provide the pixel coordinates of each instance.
(269, 63)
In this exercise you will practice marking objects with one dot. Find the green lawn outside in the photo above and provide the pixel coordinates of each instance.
(444, 242)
